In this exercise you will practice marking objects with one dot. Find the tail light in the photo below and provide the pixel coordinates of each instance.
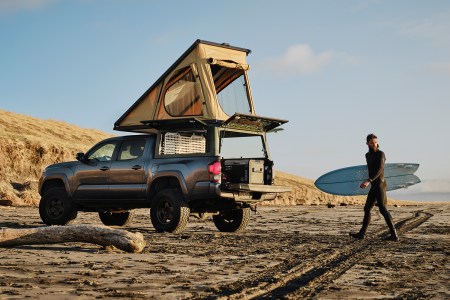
(215, 171)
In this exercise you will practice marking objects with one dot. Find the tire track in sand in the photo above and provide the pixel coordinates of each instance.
(298, 279)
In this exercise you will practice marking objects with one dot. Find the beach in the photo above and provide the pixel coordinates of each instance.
(287, 252)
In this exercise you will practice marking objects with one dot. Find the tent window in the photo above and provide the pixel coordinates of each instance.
(181, 97)
(231, 89)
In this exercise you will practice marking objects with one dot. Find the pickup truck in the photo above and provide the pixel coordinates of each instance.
(178, 172)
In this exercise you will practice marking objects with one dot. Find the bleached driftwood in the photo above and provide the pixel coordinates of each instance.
(100, 235)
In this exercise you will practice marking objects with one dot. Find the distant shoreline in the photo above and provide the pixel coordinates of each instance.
(395, 201)
(422, 197)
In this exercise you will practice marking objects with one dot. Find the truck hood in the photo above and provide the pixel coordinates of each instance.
(68, 165)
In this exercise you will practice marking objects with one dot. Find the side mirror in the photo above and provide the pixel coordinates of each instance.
(80, 157)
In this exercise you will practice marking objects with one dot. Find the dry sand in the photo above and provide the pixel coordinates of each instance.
(292, 252)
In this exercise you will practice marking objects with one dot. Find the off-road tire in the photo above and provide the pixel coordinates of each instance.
(55, 208)
(169, 211)
(116, 218)
(232, 220)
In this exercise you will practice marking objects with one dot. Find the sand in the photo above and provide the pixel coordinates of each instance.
(291, 252)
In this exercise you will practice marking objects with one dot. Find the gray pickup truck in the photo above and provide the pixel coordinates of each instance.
(222, 170)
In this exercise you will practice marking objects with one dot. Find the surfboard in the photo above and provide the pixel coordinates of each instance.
(346, 181)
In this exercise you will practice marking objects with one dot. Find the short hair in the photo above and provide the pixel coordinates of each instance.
(371, 136)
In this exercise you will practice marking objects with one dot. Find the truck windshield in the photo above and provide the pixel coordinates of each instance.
(231, 89)
(242, 147)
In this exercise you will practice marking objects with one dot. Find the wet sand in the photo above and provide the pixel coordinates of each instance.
(290, 252)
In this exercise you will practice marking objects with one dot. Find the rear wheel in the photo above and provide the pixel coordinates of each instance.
(55, 208)
(116, 218)
(232, 220)
(169, 211)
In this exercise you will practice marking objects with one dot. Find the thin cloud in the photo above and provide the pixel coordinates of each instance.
(349, 59)
(439, 68)
(433, 31)
(19, 5)
(435, 28)
(427, 28)
(300, 59)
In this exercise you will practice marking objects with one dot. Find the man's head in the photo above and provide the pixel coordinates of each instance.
(372, 142)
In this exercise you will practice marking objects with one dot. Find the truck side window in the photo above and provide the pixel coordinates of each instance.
(131, 149)
(103, 152)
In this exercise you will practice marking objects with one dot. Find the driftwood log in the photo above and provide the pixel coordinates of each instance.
(100, 235)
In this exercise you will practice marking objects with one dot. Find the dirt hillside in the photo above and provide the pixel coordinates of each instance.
(28, 145)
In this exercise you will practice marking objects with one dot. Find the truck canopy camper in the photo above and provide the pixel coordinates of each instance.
(207, 84)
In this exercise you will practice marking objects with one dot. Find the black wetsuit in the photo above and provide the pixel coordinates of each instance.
(375, 164)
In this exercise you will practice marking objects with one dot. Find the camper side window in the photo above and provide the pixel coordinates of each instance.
(231, 89)
(181, 97)
(182, 143)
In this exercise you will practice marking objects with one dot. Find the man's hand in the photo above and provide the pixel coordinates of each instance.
(364, 184)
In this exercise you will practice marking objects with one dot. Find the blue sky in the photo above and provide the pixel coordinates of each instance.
(336, 69)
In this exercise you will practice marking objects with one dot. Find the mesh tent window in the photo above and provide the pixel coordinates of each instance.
(181, 98)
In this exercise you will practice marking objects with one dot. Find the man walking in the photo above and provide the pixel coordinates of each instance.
(375, 159)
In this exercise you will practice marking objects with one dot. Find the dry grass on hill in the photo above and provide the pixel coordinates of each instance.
(28, 145)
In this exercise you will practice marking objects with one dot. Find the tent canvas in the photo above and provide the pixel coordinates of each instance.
(208, 82)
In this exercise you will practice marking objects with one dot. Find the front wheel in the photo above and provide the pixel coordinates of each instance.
(55, 208)
(233, 220)
(116, 218)
(169, 211)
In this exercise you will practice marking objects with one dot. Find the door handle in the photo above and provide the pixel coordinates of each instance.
(136, 167)
(105, 168)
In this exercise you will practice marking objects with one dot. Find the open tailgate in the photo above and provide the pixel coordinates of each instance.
(252, 123)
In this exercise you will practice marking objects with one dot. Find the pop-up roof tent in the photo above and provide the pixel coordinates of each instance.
(207, 84)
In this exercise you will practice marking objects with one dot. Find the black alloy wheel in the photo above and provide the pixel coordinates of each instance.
(110, 218)
(235, 220)
(55, 208)
(169, 211)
